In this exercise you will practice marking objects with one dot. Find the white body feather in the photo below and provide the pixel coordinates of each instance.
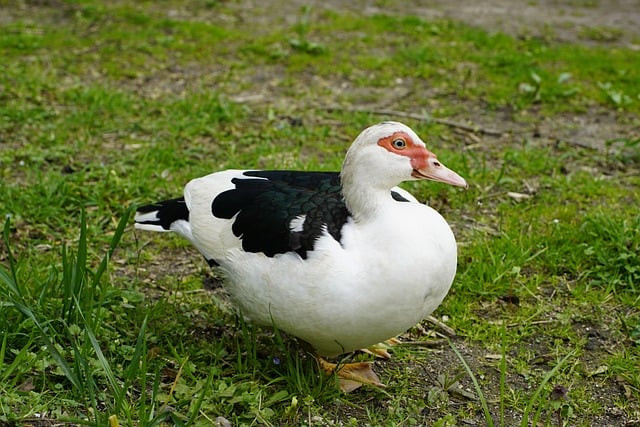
(387, 275)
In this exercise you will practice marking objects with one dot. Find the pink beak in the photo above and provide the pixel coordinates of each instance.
(436, 171)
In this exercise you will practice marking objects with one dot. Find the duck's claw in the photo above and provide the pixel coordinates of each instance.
(351, 375)
(381, 349)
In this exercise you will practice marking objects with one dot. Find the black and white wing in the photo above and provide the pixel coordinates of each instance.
(268, 212)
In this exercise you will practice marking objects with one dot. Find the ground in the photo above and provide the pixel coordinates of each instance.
(593, 23)
(579, 21)
(609, 23)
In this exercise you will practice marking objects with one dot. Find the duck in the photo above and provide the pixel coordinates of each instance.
(341, 260)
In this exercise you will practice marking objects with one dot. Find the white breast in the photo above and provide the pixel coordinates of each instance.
(385, 277)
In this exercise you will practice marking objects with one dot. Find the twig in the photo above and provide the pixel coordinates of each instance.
(427, 343)
(448, 330)
(578, 143)
(424, 116)
(535, 322)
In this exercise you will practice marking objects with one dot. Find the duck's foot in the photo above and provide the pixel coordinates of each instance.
(381, 349)
(351, 375)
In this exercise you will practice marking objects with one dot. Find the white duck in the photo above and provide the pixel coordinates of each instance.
(341, 261)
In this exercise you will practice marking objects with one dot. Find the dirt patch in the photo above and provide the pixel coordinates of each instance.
(584, 21)
(589, 22)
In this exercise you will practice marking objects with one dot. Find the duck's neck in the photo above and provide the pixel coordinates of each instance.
(364, 199)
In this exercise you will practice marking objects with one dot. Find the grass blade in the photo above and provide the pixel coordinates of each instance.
(536, 394)
(476, 385)
(7, 245)
(104, 363)
(115, 240)
(503, 375)
(203, 393)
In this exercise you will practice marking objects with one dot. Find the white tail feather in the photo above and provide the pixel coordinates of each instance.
(151, 227)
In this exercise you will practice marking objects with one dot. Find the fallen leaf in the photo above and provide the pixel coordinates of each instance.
(599, 370)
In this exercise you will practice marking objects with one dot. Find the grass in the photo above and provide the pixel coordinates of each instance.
(104, 106)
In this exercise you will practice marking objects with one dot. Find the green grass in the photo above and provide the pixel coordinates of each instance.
(105, 106)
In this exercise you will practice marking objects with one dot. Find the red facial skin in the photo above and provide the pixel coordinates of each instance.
(418, 154)
(424, 163)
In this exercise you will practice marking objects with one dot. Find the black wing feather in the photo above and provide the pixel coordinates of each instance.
(267, 201)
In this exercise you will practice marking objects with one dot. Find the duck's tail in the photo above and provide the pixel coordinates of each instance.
(168, 215)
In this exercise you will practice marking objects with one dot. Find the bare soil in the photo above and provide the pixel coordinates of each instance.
(559, 20)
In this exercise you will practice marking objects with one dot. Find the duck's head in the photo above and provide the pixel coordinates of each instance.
(390, 152)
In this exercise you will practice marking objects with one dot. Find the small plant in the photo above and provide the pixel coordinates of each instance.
(615, 96)
(601, 34)
(302, 42)
(623, 150)
(533, 87)
(447, 385)
(611, 249)
(559, 403)
(560, 89)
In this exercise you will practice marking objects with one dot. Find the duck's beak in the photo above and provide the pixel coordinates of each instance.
(436, 171)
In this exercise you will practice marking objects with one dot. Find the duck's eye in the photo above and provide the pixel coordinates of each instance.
(399, 144)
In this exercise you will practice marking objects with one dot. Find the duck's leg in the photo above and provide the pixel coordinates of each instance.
(381, 349)
(351, 375)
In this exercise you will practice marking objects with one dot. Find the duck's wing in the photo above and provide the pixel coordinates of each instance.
(274, 212)
(268, 212)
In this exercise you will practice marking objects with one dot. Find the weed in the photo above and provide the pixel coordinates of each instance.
(302, 42)
(615, 96)
(601, 33)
